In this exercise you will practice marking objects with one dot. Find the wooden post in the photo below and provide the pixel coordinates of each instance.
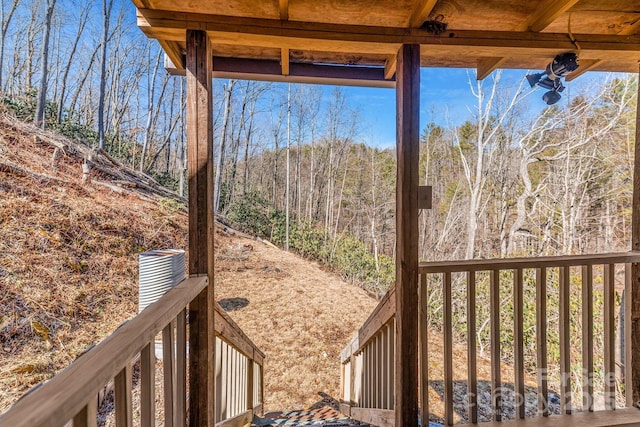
(408, 134)
(200, 152)
(632, 297)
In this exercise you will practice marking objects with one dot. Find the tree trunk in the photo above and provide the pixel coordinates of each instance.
(44, 61)
(106, 15)
(5, 19)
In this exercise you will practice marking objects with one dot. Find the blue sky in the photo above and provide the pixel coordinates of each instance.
(446, 98)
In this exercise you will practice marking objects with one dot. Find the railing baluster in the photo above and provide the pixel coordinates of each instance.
(376, 371)
(391, 363)
(609, 337)
(587, 338)
(250, 384)
(423, 365)
(379, 391)
(181, 370)
(167, 366)
(87, 417)
(148, 386)
(448, 351)
(496, 383)
(122, 397)
(518, 341)
(471, 348)
(565, 340)
(629, 347)
(219, 372)
(541, 340)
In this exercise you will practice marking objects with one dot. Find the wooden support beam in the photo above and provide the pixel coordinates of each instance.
(284, 61)
(585, 65)
(200, 171)
(486, 66)
(173, 52)
(283, 6)
(421, 12)
(408, 135)
(390, 66)
(632, 297)
(631, 29)
(548, 12)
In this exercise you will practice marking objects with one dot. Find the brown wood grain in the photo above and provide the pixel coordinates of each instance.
(68, 392)
(471, 348)
(632, 298)
(609, 336)
(564, 335)
(518, 341)
(494, 320)
(148, 386)
(423, 358)
(200, 174)
(533, 262)
(408, 135)
(541, 341)
(122, 385)
(587, 338)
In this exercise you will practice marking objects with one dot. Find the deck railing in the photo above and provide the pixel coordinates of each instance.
(550, 320)
(72, 395)
(368, 367)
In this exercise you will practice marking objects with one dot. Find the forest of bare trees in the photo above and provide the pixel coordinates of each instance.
(506, 182)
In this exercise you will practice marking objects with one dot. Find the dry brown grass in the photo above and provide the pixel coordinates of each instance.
(68, 278)
(68, 261)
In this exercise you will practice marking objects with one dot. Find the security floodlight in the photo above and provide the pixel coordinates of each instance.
(561, 65)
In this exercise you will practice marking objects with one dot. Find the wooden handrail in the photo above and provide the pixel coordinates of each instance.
(364, 369)
(230, 332)
(61, 398)
(379, 317)
(542, 265)
(367, 392)
(516, 263)
(72, 393)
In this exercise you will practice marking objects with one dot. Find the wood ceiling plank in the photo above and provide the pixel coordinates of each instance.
(631, 29)
(585, 65)
(548, 12)
(421, 12)
(283, 6)
(451, 48)
(174, 53)
(390, 66)
(487, 65)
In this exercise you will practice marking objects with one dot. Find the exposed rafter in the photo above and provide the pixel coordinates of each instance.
(284, 61)
(283, 6)
(271, 70)
(585, 65)
(487, 65)
(631, 29)
(421, 12)
(173, 52)
(390, 66)
(377, 40)
(141, 4)
(548, 12)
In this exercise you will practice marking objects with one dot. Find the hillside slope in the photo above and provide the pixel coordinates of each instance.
(68, 276)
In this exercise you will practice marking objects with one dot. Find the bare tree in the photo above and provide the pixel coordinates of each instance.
(42, 92)
(107, 6)
(82, 22)
(5, 20)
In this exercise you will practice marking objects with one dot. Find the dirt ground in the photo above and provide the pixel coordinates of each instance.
(301, 316)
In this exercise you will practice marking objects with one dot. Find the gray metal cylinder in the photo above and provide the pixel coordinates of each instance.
(160, 270)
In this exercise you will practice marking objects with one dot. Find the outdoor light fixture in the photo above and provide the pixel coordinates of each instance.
(561, 65)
